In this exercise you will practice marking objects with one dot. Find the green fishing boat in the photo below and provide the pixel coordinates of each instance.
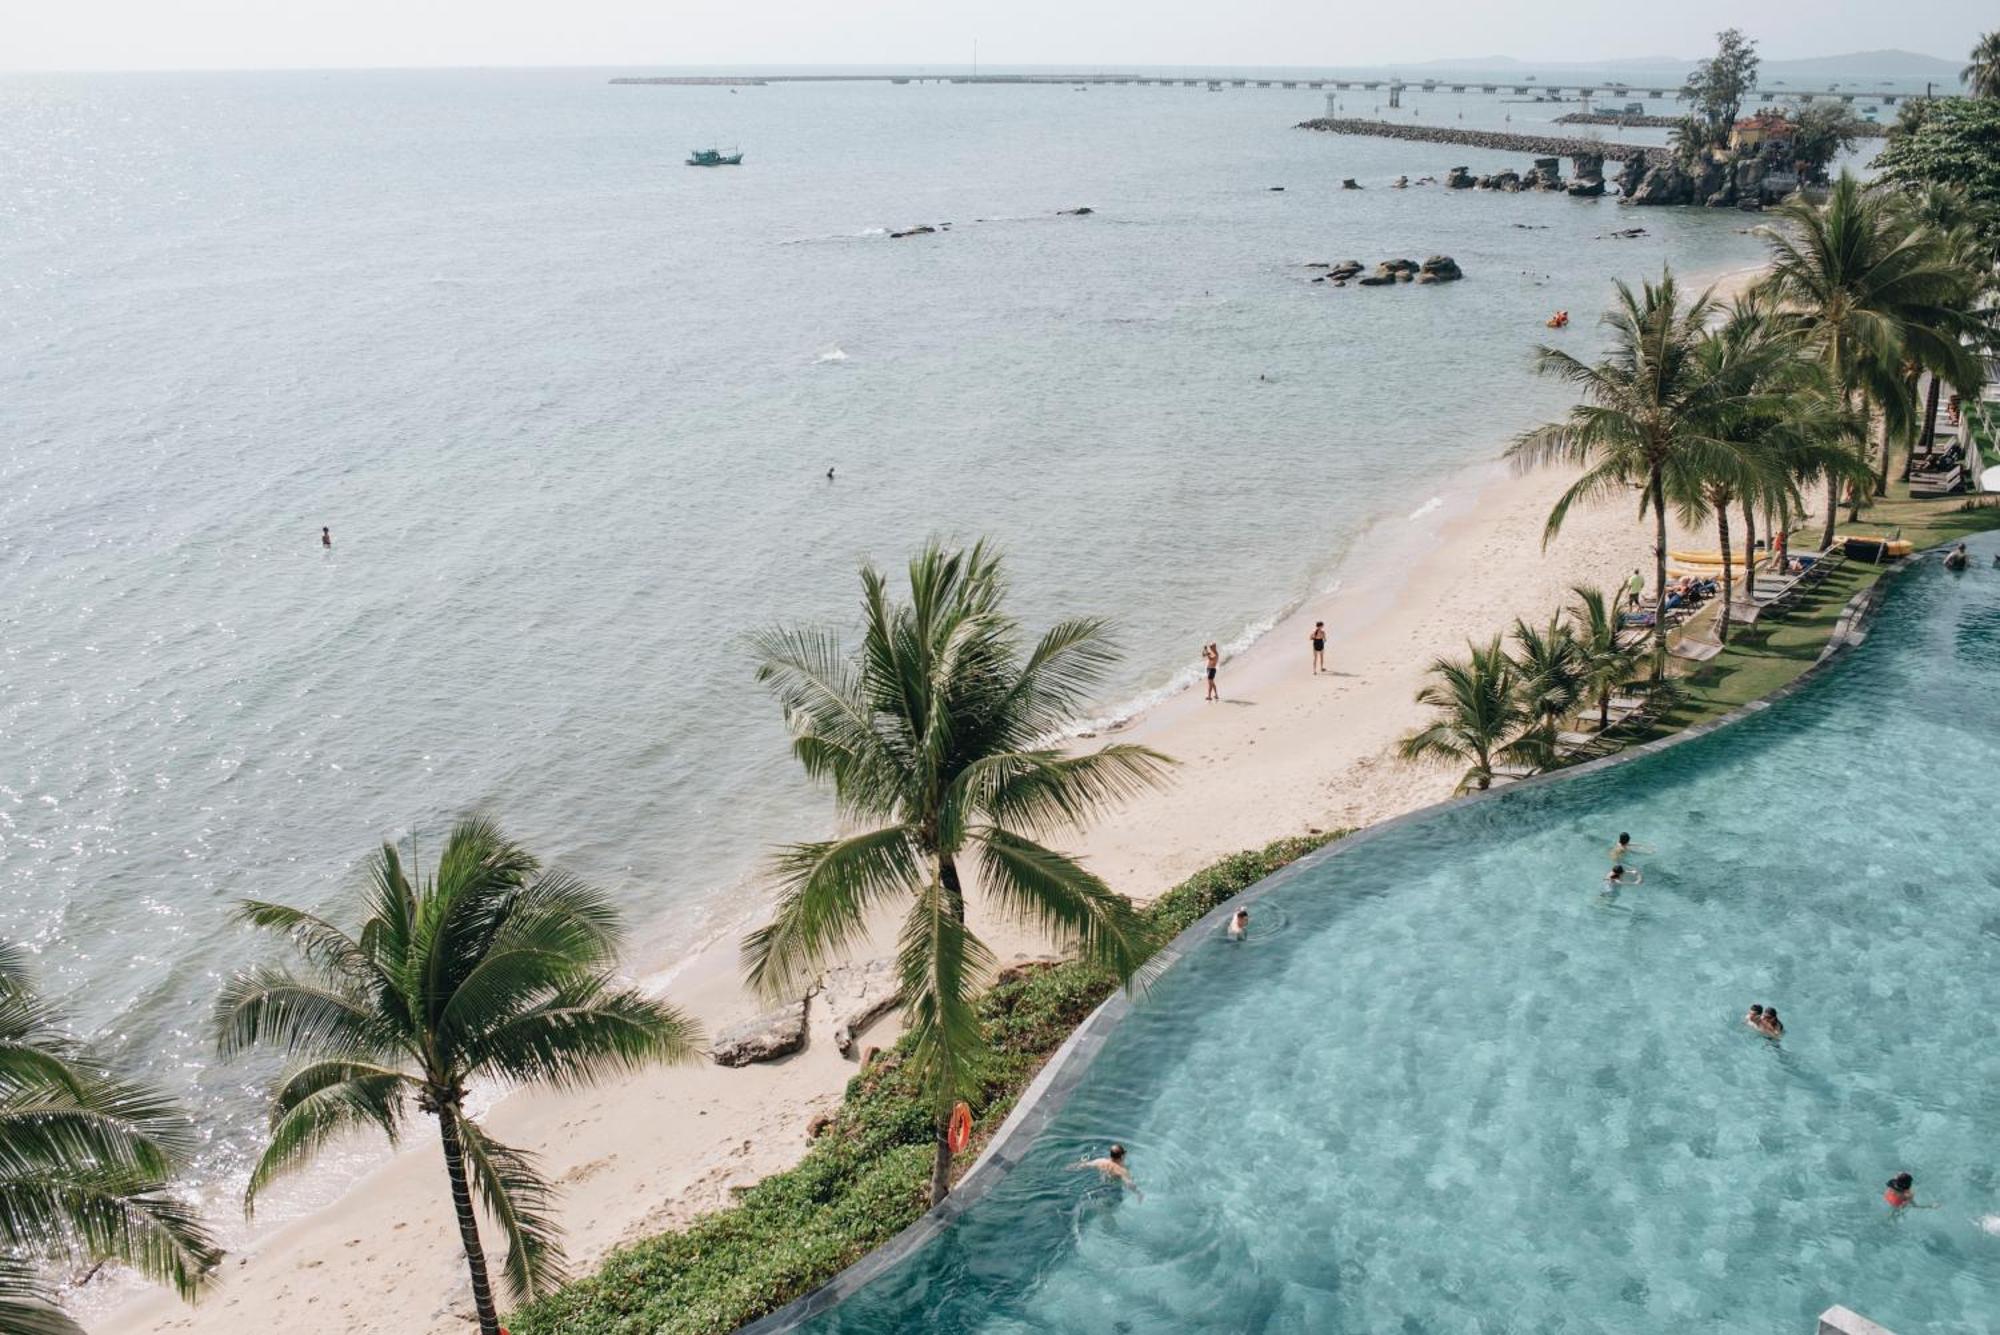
(714, 157)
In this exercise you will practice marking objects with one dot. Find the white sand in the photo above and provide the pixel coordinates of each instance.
(1285, 751)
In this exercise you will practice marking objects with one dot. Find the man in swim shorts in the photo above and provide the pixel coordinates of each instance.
(1211, 657)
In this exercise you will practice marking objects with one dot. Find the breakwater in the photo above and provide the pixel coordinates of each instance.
(1541, 145)
(1612, 118)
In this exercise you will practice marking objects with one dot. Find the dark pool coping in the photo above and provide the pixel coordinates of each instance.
(1059, 1077)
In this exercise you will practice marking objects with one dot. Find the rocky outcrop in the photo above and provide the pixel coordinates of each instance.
(1630, 175)
(1440, 269)
(1546, 174)
(1458, 178)
(924, 229)
(857, 995)
(1715, 179)
(1086, 211)
(776, 1034)
(1349, 183)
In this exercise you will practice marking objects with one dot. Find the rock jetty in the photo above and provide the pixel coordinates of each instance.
(1541, 145)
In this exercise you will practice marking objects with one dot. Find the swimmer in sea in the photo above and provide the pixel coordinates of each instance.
(1239, 924)
(325, 536)
(1111, 1168)
(829, 475)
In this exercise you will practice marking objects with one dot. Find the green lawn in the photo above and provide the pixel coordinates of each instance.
(1765, 657)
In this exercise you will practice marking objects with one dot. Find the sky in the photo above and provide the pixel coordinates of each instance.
(269, 34)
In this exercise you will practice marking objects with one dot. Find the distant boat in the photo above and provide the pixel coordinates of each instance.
(714, 157)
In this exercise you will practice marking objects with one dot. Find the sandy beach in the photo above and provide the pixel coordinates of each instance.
(1284, 751)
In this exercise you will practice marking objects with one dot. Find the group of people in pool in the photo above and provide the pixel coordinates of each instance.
(1900, 1193)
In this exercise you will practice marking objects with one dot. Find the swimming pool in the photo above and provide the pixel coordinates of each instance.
(1448, 1086)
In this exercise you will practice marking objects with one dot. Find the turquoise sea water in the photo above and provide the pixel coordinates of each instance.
(1448, 1085)
(567, 407)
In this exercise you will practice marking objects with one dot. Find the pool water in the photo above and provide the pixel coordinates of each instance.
(1449, 1086)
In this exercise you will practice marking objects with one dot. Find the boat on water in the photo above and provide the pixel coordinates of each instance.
(714, 157)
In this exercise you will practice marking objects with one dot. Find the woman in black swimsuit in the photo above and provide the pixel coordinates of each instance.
(1319, 646)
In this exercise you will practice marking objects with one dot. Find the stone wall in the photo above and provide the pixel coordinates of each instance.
(1540, 145)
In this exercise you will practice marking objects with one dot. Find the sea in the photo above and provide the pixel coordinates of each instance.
(580, 419)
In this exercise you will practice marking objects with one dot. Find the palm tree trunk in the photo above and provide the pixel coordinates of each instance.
(468, 1222)
(954, 891)
(1832, 511)
(1728, 582)
(1882, 469)
(1749, 550)
(1930, 425)
(1656, 487)
(1604, 709)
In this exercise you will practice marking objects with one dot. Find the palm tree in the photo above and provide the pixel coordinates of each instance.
(493, 968)
(1548, 675)
(1982, 76)
(1604, 662)
(1479, 714)
(87, 1162)
(936, 735)
(1649, 406)
(1871, 290)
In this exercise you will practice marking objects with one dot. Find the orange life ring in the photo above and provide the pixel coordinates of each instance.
(960, 1133)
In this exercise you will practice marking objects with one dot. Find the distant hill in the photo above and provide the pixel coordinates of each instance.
(1904, 69)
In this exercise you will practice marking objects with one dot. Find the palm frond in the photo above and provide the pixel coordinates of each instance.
(522, 1203)
(1039, 885)
(321, 1102)
(582, 1034)
(825, 892)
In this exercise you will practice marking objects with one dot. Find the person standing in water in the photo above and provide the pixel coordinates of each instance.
(325, 536)
(1900, 1193)
(1211, 657)
(1621, 874)
(1319, 647)
(1239, 925)
(1111, 1168)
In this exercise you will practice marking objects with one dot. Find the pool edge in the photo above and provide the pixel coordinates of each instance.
(1046, 1095)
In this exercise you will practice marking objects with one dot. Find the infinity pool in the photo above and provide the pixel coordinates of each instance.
(1447, 1086)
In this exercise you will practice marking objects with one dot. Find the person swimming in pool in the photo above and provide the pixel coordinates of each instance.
(1772, 1027)
(1901, 1192)
(1625, 848)
(1111, 1169)
(1755, 1019)
(1620, 874)
(1239, 925)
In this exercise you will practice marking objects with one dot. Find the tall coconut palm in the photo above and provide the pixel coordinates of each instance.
(1982, 76)
(1649, 405)
(493, 968)
(1604, 661)
(1783, 425)
(87, 1162)
(1871, 290)
(935, 734)
(1479, 715)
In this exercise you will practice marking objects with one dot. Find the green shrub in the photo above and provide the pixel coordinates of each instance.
(866, 1177)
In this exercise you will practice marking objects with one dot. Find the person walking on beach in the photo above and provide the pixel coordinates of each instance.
(1319, 647)
(325, 536)
(1634, 587)
(1211, 657)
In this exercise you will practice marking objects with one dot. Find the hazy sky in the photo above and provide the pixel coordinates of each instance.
(187, 34)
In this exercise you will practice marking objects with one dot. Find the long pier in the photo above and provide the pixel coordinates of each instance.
(1538, 145)
(1392, 85)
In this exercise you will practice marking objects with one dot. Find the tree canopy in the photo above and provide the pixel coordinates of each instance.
(1718, 85)
(1950, 141)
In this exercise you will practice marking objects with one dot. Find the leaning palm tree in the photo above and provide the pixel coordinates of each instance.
(1872, 290)
(1650, 405)
(493, 968)
(1605, 662)
(87, 1162)
(936, 736)
(1982, 76)
(1479, 715)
